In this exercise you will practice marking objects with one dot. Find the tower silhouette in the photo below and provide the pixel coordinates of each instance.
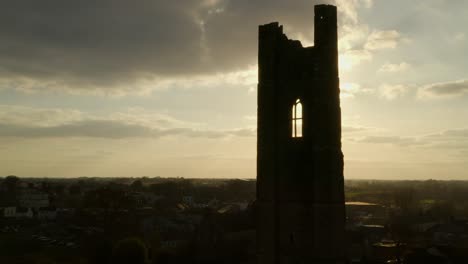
(300, 193)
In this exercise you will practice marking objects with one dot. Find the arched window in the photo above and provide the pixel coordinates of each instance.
(297, 119)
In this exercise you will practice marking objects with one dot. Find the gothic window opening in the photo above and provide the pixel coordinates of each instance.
(297, 119)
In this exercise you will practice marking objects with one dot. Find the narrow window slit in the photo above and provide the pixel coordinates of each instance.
(297, 119)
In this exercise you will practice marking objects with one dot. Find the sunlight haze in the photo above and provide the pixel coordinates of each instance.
(169, 88)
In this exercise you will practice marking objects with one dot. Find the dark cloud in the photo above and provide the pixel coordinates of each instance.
(231, 33)
(96, 43)
(113, 43)
(112, 129)
(455, 88)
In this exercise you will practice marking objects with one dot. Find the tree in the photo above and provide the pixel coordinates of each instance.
(59, 189)
(130, 251)
(405, 200)
(75, 189)
(137, 185)
(11, 183)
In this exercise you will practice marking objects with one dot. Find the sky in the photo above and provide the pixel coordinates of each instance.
(118, 88)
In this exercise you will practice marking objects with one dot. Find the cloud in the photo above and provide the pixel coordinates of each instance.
(94, 44)
(350, 58)
(392, 92)
(449, 145)
(113, 129)
(41, 117)
(89, 128)
(444, 89)
(393, 68)
(450, 139)
(368, 3)
(458, 37)
(251, 118)
(246, 77)
(350, 90)
(392, 140)
(357, 42)
(351, 129)
(131, 46)
(450, 134)
(383, 39)
(454, 139)
(118, 47)
(26, 122)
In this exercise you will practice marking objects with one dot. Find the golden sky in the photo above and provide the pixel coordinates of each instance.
(168, 88)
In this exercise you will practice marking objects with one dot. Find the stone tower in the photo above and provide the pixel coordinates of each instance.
(300, 193)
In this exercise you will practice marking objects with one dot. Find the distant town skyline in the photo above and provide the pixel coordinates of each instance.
(158, 88)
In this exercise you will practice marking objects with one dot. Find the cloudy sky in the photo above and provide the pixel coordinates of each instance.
(168, 88)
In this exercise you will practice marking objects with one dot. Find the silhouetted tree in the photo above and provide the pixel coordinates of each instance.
(59, 189)
(404, 199)
(168, 189)
(11, 183)
(443, 210)
(74, 189)
(130, 251)
(45, 186)
(137, 185)
(98, 249)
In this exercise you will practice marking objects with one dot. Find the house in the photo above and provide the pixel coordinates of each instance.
(33, 198)
(47, 213)
(9, 211)
(359, 213)
(24, 212)
(143, 198)
(17, 212)
(451, 233)
(188, 200)
(229, 209)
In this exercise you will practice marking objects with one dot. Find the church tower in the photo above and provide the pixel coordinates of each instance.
(300, 193)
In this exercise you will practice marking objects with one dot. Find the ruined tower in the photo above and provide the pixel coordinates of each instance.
(300, 193)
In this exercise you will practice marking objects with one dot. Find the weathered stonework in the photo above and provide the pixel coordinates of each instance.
(300, 196)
